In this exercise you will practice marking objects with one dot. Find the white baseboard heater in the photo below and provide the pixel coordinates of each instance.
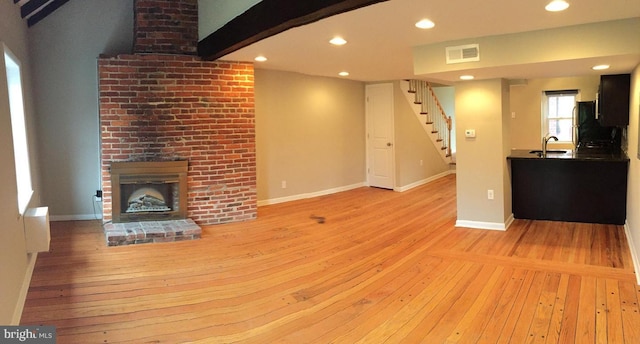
(36, 229)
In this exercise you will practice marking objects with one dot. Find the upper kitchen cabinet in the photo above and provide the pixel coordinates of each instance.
(613, 100)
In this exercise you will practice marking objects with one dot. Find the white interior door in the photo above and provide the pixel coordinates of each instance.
(380, 150)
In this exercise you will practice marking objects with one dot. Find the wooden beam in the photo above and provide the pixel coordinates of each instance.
(44, 12)
(31, 6)
(268, 18)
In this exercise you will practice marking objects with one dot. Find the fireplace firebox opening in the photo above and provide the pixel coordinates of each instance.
(149, 191)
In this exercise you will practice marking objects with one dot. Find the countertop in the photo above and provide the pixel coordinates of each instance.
(617, 155)
(571, 186)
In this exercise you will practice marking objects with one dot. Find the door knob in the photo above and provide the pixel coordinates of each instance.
(389, 144)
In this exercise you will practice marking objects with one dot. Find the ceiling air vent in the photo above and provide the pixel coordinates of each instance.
(463, 53)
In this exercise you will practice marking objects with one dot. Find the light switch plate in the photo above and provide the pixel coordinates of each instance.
(470, 133)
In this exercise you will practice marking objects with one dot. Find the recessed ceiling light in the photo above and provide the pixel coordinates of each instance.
(260, 58)
(343, 73)
(557, 6)
(425, 24)
(338, 41)
(600, 67)
(466, 77)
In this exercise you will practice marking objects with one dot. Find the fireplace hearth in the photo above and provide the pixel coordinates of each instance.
(149, 203)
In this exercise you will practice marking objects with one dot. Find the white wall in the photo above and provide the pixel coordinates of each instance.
(213, 14)
(64, 49)
(17, 265)
(633, 188)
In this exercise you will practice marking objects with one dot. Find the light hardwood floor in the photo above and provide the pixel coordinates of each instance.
(384, 267)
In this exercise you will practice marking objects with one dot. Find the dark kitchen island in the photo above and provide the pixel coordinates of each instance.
(571, 186)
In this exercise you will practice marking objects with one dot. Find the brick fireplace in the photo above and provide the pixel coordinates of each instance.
(162, 103)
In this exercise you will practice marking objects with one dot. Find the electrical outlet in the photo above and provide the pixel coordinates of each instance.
(489, 194)
(421, 163)
(284, 184)
(97, 199)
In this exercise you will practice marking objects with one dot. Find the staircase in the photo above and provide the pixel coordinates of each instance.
(434, 119)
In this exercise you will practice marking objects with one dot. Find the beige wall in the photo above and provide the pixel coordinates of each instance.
(633, 193)
(481, 161)
(412, 145)
(15, 269)
(310, 132)
(526, 99)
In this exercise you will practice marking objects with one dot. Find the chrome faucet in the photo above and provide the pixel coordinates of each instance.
(545, 141)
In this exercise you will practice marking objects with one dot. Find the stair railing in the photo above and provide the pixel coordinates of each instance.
(430, 107)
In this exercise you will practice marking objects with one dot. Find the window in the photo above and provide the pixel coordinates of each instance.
(557, 114)
(18, 130)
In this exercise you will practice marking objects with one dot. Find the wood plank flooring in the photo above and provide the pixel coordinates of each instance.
(383, 267)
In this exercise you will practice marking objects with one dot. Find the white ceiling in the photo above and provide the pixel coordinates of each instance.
(380, 37)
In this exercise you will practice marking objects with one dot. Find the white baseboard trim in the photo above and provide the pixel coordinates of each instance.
(75, 217)
(17, 312)
(422, 182)
(509, 221)
(495, 226)
(634, 253)
(310, 194)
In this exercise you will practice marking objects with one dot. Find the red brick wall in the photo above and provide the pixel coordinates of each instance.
(166, 26)
(173, 107)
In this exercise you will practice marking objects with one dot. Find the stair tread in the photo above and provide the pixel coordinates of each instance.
(420, 92)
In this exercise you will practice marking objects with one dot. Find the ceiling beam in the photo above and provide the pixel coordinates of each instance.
(268, 18)
(52, 6)
(31, 6)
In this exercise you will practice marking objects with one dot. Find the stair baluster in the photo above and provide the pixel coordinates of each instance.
(435, 115)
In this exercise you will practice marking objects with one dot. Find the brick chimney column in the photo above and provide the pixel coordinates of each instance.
(166, 27)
